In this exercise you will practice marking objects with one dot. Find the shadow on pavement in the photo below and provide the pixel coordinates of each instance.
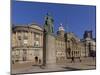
(71, 69)
(91, 65)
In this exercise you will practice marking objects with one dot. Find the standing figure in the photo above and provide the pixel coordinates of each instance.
(48, 26)
(72, 59)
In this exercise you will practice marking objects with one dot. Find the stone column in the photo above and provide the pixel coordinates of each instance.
(16, 34)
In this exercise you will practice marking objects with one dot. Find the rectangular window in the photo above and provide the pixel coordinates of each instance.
(25, 36)
(36, 36)
(36, 43)
(25, 42)
(19, 37)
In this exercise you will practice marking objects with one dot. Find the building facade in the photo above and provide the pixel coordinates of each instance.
(73, 46)
(27, 44)
(89, 44)
(60, 45)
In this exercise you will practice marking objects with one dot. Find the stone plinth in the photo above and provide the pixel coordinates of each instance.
(50, 50)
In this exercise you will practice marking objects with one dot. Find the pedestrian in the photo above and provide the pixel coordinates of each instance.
(72, 59)
(39, 61)
(80, 59)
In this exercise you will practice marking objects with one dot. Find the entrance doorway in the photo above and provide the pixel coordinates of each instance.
(36, 59)
(24, 54)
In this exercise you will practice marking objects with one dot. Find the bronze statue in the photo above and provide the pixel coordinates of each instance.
(48, 26)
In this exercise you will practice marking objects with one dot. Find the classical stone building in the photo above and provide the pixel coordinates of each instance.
(27, 44)
(73, 45)
(68, 45)
(89, 44)
(60, 45)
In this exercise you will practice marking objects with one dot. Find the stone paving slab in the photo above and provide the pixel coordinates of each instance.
(87, 64)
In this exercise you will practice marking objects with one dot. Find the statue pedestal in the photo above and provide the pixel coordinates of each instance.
(50, 51)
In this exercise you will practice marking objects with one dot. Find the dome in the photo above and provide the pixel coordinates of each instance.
(61, 28)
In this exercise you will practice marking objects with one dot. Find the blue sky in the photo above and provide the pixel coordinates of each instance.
(75, 18)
